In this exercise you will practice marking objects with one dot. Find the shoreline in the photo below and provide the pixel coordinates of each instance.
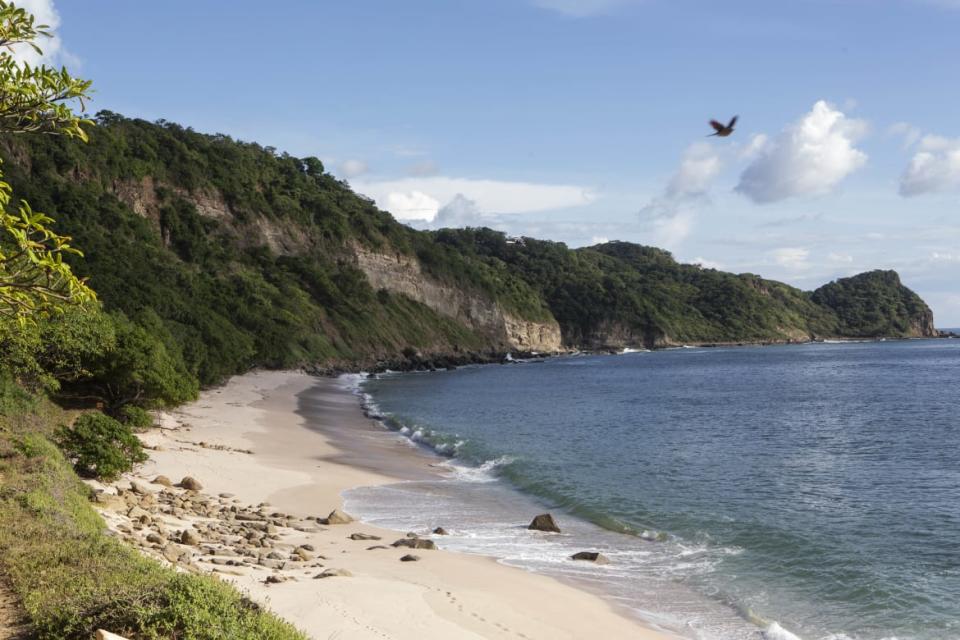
(441, 361)
(249, 440)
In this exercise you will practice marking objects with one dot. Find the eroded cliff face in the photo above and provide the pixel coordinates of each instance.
(922, 326)
(395, 273)
(402, 274)
(615, 336)
(143, 198)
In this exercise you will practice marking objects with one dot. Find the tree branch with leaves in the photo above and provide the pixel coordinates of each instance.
(34, 279)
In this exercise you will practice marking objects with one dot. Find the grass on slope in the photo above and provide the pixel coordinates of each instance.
(73, 578)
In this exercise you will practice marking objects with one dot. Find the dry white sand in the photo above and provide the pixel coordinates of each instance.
(298, 471)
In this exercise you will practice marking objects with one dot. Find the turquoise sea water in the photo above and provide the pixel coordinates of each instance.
(752, 492)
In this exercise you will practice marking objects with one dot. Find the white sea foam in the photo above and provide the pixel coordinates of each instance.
(486, 472)
(351, 381)
(776, 632)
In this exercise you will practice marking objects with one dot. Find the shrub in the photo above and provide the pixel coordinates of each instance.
(135, 417)
(100, 446)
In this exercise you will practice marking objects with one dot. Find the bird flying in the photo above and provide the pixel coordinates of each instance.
(723, 130)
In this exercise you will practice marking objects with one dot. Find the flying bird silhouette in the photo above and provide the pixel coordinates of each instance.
(723, 130)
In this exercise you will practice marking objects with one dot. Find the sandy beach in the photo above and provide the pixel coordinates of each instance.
(245, 443)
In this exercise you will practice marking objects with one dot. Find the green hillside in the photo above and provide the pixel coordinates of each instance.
(216, 256)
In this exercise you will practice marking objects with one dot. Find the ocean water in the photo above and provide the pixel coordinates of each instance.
(806, 491)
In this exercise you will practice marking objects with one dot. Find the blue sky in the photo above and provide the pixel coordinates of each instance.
(584, 120)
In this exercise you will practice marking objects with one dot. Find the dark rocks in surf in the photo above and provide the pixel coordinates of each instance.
(544, 522)
(440, 531)
(590, 556)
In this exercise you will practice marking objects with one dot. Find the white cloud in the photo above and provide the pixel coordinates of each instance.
(707, 264)
(948, 257)
(353, 168)
(670, 216)
(670, 231)
(697, 171)
(909, 133)
(810, 157)
(53, 52)
(793, 258)
(581, 8)
(599, 240)
(755, 146)
(490, 196)
(413, 205)
(459, 212)
(934, 167)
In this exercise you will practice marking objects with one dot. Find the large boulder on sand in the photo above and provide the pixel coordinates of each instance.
(590, 556)
(338, 517)
(138, 488)
(190, 538)
(137, 513)
(415, 543)
(164, 480)
(544, 522)
(191, 484)
(111, 501)
(363, 536)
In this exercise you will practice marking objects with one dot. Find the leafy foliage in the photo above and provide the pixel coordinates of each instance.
(143, 368)
(100, 447)
(227, 300)
(34, 279)
(135, 417)
(874, 304)
(625, 292)
(35, 99)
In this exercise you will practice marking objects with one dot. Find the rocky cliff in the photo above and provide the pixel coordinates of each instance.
(402, 274)
(394, 272)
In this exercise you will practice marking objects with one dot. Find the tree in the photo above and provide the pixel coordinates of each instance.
(100, 447)
(140, 369)
(58, 349)
(34, 279)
